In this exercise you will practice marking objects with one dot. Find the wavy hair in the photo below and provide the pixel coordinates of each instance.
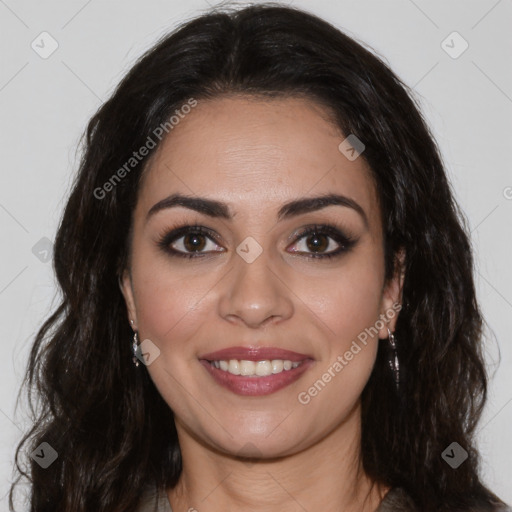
(112, 430)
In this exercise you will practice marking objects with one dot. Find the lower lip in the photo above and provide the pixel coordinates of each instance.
(256, 386)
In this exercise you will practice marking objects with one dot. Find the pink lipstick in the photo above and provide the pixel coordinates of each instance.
(255, 371)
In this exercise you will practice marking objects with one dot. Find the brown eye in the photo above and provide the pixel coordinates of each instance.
(189, 242)
(317, 242)
(323, 241)
(194, 242)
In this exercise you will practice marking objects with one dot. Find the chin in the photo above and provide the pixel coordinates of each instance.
(266, 444)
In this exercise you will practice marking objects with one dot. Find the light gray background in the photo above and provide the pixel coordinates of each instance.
(45, 104)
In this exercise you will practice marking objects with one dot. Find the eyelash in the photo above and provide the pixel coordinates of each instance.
(170, 236)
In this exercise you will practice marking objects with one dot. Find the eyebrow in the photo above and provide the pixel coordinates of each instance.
(219, 209)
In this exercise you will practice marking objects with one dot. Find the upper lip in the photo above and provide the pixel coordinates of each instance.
(254, 354)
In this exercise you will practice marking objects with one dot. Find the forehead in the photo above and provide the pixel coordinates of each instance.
(256, 154)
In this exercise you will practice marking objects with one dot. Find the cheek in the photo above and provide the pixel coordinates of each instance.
(170, 302)
(346, 307)
(172, 311)
(347, 301)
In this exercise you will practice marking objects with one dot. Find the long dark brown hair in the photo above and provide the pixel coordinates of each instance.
(110, 427)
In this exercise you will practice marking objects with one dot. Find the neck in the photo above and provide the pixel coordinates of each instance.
(326, 476)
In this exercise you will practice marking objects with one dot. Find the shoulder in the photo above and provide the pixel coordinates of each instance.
(153, 500)
(398, 500)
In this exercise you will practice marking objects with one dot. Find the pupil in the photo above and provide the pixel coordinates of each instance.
(196, 242)
(317, 244)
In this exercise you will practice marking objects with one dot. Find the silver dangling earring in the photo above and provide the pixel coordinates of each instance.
(135, 347)
(393, 360)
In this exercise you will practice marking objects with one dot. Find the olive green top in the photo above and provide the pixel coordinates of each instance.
(396, 500)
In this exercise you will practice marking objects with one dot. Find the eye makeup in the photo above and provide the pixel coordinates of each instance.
(320, 232)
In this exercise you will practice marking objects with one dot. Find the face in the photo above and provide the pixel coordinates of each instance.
(247, 275)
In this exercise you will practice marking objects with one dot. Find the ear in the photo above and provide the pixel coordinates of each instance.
(391, 302)
(125, 284)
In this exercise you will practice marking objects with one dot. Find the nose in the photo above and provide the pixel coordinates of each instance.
(253, 294)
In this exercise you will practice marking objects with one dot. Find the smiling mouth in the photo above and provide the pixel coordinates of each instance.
(255, 370)
(255, 378)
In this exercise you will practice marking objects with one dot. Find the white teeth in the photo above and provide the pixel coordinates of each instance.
(247, 367)
(255, 368)
(263, 368)
(234, 367)
(277, 366)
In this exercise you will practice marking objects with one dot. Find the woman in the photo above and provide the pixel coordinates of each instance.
(268, 300)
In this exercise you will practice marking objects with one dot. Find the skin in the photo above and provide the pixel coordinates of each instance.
(256, 155)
